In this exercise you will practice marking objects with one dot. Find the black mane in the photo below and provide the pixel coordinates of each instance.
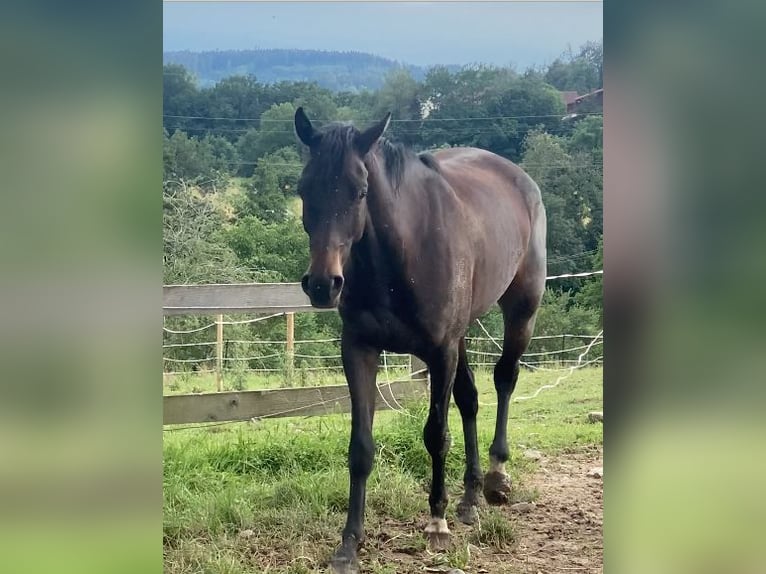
(337, 138)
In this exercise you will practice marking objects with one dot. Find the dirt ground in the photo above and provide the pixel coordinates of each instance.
(562, 533)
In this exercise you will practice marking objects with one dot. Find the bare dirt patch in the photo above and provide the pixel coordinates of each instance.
(560, 532)
(563, 533)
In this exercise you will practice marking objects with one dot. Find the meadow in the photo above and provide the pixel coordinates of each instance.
(270, 496)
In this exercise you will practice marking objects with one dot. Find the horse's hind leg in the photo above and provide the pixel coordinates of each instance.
(519, 305)
(467, 401)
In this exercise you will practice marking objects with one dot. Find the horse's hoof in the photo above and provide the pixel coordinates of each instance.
(438, 534)
(497, 488)
(467, 513)
(344, 565)
(344, 561)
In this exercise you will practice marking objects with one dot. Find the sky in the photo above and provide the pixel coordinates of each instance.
(422, 33)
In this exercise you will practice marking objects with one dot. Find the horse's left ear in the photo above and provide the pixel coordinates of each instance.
(365, 140)
(304, 129)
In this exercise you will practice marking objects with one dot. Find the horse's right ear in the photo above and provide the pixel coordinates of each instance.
(303, 128)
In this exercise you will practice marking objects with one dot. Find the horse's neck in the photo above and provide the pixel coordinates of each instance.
(382, 253)
(391, 213)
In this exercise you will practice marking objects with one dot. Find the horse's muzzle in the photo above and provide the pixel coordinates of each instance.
(323, 291)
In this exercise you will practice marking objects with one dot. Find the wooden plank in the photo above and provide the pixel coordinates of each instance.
(235, 298)
(245, 405)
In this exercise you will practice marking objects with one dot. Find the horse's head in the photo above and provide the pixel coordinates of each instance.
(333, 188)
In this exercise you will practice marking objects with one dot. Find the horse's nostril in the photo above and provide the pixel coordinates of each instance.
(337, 283)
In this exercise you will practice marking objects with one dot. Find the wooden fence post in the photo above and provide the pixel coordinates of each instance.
(219, 353)
(290, 348)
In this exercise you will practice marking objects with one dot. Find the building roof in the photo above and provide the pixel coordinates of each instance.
(589, 95)
(569, 97)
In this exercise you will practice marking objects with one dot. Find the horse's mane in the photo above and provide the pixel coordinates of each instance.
(337, 138)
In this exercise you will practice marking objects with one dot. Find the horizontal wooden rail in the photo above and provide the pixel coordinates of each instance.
(235, 298)
(292, 402)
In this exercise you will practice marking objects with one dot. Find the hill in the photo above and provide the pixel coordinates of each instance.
(337, 71)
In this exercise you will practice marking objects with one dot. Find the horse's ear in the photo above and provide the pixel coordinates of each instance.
(303, 128)
(365, 140)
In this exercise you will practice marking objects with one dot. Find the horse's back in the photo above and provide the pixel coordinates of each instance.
(472, 170)
(508, 204)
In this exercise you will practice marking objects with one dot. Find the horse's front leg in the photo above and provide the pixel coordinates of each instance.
(360, 363)
(442, 368)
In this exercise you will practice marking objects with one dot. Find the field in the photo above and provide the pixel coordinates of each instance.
(270, 496)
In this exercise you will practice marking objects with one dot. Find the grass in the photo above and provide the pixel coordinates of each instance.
(233, 380)
(271, 496)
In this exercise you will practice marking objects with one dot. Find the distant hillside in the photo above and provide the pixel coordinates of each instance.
(338, 71)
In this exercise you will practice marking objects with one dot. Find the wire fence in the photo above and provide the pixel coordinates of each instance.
(265, 348)
(315, 360)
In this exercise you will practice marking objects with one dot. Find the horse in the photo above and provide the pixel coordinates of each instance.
(411, 248)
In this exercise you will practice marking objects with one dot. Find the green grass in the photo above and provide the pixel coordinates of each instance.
(243, 380)
(284, 482)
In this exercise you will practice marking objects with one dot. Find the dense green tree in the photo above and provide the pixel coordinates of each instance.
(274, 180)
(193, 161)
(523, 104)
(546, 160)
(236, 97)
(319, 105)
(587, 136)
(180, 97)
(274, 251)
(247, 151)
(592, 292)
(225, 154)
(499, 108)
(581, 72)
(400, 95)
(276, 130)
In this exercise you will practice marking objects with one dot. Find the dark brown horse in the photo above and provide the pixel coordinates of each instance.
(411, 249)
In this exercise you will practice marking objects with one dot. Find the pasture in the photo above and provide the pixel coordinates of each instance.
(270, 496)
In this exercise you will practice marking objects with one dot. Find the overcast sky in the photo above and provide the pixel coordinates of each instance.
(424, 33)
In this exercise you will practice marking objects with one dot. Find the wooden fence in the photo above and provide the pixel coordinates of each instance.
(258, 299)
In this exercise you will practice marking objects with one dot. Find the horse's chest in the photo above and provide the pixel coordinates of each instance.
(384, 328)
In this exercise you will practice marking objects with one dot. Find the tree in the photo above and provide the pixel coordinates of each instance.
(318, 104)
(524, 104)
(180, 97)
(592, 293)
(273, 251)
(225, 154)
(194, 249)
(587, 136)
(585, 145)
(400, 95)
(236, 97)
(276, 131)
(192, 161)
(274, 179)
(581, 72)
(548, 163)
(498, 105)
(247, 151)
